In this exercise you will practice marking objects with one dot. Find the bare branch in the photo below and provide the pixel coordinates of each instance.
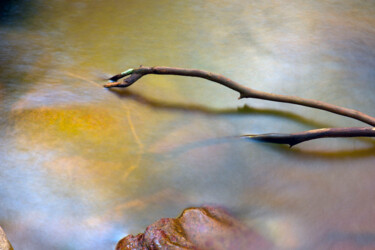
(296, 138)
(245, 92)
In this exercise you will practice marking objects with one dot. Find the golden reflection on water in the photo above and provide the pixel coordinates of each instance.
(92, 165)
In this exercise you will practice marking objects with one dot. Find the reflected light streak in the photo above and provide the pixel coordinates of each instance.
(138, 141)
(284, 232)
(135, 165)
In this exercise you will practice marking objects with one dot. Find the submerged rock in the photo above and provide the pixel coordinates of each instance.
(197, 228)
(4, 243)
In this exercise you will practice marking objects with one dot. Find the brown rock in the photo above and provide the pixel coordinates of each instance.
(197, 228)
(4, 243)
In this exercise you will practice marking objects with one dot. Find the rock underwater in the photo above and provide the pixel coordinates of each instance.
(197, 228)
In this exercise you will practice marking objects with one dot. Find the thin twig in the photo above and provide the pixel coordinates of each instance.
(245, 92)
(295, 138)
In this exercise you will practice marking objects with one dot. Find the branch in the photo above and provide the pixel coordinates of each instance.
(132, 75)
(296, 138)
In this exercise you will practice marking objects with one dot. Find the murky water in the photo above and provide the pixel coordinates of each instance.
(82, 166)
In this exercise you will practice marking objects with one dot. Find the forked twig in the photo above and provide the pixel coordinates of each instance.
(133, 75)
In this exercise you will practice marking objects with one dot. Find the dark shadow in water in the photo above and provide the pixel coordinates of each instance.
(246, 110)
(20, 52)
(14, 12)
(290, 152)
(334, 155)
(191, 108)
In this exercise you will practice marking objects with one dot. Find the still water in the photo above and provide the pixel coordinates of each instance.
(82, 166)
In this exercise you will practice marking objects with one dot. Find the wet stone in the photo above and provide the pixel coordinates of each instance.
(197, 228)
(4, 243)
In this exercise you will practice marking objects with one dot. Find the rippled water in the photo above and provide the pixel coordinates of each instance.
(82, 166)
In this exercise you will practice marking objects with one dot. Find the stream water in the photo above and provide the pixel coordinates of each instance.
(82, 166)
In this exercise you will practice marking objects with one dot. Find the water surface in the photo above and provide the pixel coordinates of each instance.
(82, 166)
